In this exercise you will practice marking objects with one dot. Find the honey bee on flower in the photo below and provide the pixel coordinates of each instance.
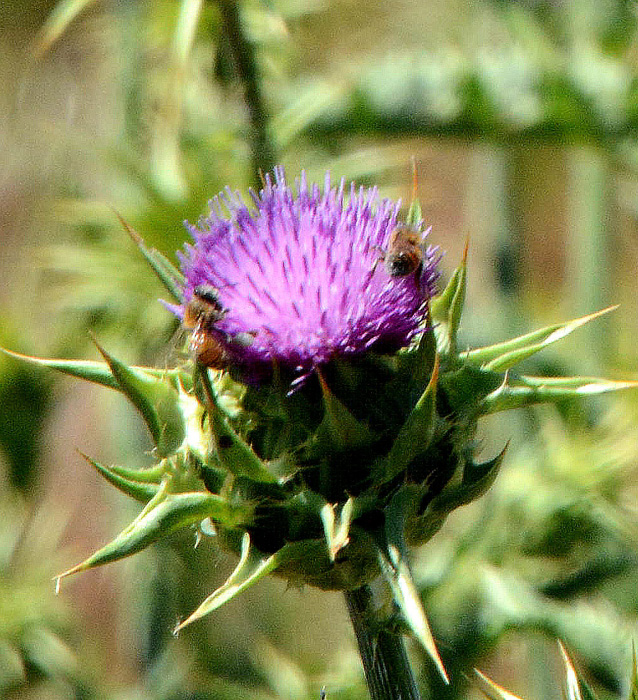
(294, 275)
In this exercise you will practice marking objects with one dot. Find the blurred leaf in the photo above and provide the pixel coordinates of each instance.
(12, 667)
(58, 21)
(576, 686)
(633, 688)
(167, 273)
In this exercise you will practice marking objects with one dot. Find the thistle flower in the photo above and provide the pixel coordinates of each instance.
(327, 485)
(299, 278)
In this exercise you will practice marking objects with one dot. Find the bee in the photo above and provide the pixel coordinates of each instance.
(404, 254)
(201, 314)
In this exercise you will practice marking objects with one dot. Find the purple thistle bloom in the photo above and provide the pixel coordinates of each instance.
(301, 277)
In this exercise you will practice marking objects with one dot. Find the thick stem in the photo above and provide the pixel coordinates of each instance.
(385, 662)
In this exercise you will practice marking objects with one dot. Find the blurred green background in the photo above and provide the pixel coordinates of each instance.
(523, 120)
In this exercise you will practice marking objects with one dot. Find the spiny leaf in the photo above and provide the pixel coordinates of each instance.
(142, 490)
(252, 567)
(419, 362)
(155, 399)
(234, 454)
(466, 386)
(396, 513)
(96, 372)
(341, 429)
(416, 433)
(164, 514)
(167, 273)
(505, 355)
(91, 371)
(526, 390)
(477, 479)
(491, 690)
(447, 308)
(397, 573)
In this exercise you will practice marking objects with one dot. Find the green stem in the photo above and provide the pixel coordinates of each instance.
(385, 662)
(243, 54)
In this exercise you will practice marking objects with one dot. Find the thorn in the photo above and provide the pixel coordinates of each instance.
(466, 248)
(415, 179)
(57, 580)
(137, 239)
(207, 527)
(434, 377)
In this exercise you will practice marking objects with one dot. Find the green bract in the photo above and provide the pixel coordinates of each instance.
(329, 485)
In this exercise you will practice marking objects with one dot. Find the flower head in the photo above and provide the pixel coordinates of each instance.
(301, 278)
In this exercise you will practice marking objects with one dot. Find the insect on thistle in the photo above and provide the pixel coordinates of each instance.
(201, 314)
(404, 254)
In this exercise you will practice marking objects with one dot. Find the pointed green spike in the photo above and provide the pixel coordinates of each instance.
(397, 573)
(416, 433)
(196, 438)
(526, 390)
(447, 308)
(96, 372)
(576, 688)
(142, 491)
(252, 567)
(150, 475)
(491, 690)
(467, 386)
(396, 513)
(167, 273)
(477, 480)
(233, 453)
(419, 362)
(339, 427)
(155, 399)
(415, 215)
(337, 528)
(503, 356)
(633, 688)
(163, 515)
